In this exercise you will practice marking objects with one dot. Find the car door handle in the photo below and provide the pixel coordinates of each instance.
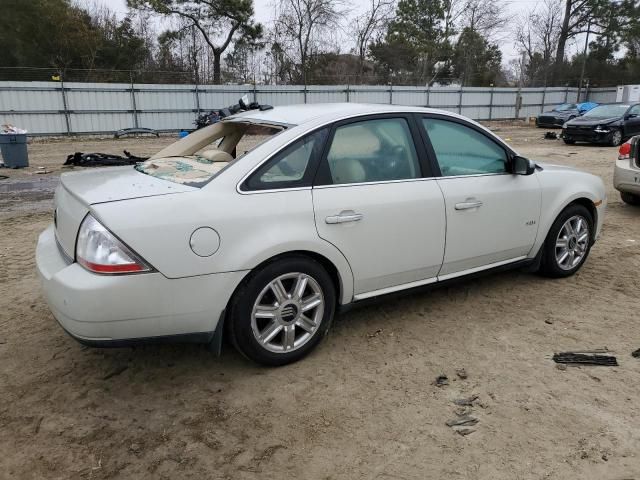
(344, 217)
(468, 205)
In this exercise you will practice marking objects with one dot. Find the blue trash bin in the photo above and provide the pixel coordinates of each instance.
(14, 150)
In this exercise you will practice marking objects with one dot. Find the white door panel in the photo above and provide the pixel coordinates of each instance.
(391, 233)
(490, 219)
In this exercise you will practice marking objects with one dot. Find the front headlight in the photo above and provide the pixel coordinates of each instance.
(565, 124)
(99, 251)
(601, 129)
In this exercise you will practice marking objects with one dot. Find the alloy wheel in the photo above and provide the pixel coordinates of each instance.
(572, 242)
(616, 138)
(287, 312)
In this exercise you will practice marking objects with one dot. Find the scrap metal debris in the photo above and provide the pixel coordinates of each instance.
(462, 373)
(441, 381)
(636, 353)
(135, 131)
(466, 402)
(102, 159)
(550, 136)
(115, 372)
(464, 421)
(585, 359)
(374, 334)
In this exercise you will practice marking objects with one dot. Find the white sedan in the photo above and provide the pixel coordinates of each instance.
(337, 204)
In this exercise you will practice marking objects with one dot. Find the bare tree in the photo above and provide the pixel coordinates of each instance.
(486, 17)
(364, 27)
(304, 21)
(537, 37)
(217, 21)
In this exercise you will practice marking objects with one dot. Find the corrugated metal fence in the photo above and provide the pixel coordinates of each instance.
(55, 108)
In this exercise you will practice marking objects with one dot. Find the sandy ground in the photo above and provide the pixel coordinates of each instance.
(363, 405)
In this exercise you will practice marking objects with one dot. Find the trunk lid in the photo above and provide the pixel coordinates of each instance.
(117, 183)
(77, 191)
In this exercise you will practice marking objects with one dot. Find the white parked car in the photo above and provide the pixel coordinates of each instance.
(339, 203)
(626, 174)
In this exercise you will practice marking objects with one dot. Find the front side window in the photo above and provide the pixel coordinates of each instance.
(290, 167)
(373, 151)
(461, 150)
(635, 110)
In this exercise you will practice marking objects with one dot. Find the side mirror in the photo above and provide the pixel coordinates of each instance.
(522, 166)
(630, 115)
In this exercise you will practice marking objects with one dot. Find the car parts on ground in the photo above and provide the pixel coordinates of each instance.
(80, 159)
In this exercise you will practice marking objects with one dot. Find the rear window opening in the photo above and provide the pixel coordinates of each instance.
(199, 157)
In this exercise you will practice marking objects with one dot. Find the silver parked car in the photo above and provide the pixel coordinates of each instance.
(626, 175)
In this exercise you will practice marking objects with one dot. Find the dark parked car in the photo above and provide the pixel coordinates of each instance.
(607, 124)
(559, 115)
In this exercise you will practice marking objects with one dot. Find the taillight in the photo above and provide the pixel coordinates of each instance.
(625, 151)
(99, 251)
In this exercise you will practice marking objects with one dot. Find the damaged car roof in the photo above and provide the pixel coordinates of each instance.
(300, 114)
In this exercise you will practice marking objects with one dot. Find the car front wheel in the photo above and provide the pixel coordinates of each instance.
(616, 138)
(282, 311)
(630, 198)
(568, 242)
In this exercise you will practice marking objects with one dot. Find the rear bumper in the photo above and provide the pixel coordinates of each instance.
(103, 310)
(626, 177)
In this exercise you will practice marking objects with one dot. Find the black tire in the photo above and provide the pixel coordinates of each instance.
(630, 198)
(550, 265)
(242, 304)
(615, 138)
(569, 141)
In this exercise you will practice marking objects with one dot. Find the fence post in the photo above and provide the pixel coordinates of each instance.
(460, 100)
(491, 103)
(566, 94)
(305, 92)
(544, 98)
(428, 89)
(65, 106)
(134, 106)
(518, 103)
(255, 91)
(391, 94)
(347, 92)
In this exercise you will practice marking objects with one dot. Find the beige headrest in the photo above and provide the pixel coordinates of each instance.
(347, 170)
(216, 156)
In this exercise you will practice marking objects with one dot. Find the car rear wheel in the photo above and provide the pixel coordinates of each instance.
(569, 141)
(282, 311)
(630, 198)
(568, 242)
(616, 138)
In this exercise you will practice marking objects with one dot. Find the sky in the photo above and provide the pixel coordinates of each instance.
(265, 13)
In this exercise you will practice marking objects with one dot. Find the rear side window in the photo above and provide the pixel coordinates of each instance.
(373, 151)
(461, 150)
(292, 167)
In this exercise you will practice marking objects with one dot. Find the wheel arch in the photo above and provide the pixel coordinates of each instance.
(556, 206)
(343, 285)
(589, 205)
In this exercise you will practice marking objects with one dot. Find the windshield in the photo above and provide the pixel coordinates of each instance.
(607, 111)
(565, 106)
(201, 155)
